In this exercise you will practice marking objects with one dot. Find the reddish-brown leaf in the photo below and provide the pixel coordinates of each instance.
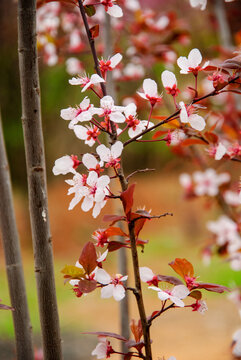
(212, 287)
(113, 218)
(106, 334)
(196, 295)
(88, 257)
(159, 134)
(188, 142)
(170, 279)
(211, 137)
(95, 31)
(159, 117)
(136, 329)
(115, 231)
(87, 286)
(127, 198)
(115, 245)
(182, 267)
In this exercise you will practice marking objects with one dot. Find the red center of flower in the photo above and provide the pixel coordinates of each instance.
(113, 163)
(76, 161)
(153, 100)
(101, 238)
(153, 281)
(107, 3)
(132, 122)
(93, 133)
(84, 179)
(194, 70)
(174, 91)
(105, 65)
(191, 282)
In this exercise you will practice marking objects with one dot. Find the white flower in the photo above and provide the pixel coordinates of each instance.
(82, 113)
(208, 182)
(111, 63)
(191, 63)
(109, 110)
(236, 350)
(232, 198)
(134, 71)
(162, 22)
(185, 181)
(225, 230)
(168, 79)
(146, 274)
(112, 9)
(197, 122)
(73, 66)
(199, 3)
(91, 162)
(93, 189)
(110, 156)
(113, 286)
(175, 137)
(150, 92)
(64, 165)
(88, 133)
(220, 151)
(86, 82)
(135, 126)
(101, 349)
(176, 294)
(132, 5)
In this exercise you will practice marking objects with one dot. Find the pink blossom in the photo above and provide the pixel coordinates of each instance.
(135, 126)
(111, 8)
(88, 133)
(175, 137)
(232, 198)
(176, 294)
(73, 66)
(81, 113)
(148, 276)
(113, 286)
(150, 92)
(198, 4)
(92, 189)
(110, 156)
(236, 348)
(191, 63)
(208, 182)
(197, 122)
(200, 306)
(110, 64)
(169, 82)
(85, 82)
(64, 165)
(103, 349)
(226, 231)
(109, 110)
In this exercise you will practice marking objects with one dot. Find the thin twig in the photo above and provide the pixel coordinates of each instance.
(138, 171)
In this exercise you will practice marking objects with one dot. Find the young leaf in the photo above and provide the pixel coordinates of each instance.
(182, 267)
(87, 286)
(127, 198)
(115, 231)
(73, 272)
(106, 334)
(90, 10)
(211, 137)
(196, 295)
(113, 218)
(88, 257)
(95, 31)
(136, 329)
(169, 279)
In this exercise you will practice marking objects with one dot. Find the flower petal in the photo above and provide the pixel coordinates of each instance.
(197, 122)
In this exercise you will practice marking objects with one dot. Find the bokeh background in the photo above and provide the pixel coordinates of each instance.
(182, 333)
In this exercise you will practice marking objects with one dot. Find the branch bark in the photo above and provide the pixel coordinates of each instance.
(124, 185)
(13, 260)
(34, 149)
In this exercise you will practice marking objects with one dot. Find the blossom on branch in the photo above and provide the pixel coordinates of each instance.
(110, 156)
(81, 113)
(111, 8)
(64, 165)
(112, 286)
(191, 63)
(148, 276)
(208, 182)
(88, 133)
(110, 64)
(176, 294)
(103, 349)
(169, 82)
(197, 122)
(135, 126)
(150, 92)
(85, 82)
